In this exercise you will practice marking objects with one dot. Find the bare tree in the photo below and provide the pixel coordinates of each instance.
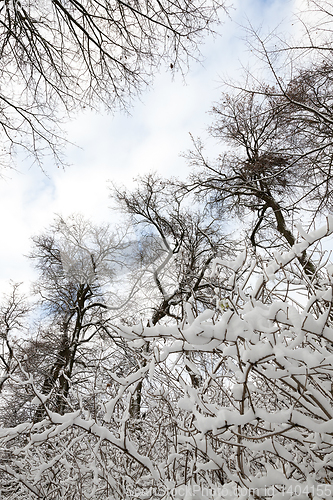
(13, 312)
(272, 167)
(78, 264)
(178, 244)
(276, 134)
(295, 96)
(57, 58)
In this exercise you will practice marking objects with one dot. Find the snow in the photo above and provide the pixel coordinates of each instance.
(265, 403)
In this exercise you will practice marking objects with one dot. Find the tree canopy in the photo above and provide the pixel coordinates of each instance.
(59, 57)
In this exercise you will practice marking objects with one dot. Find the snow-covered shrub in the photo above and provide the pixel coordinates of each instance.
(236, 402)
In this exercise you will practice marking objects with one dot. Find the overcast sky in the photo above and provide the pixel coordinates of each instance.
(120, 147)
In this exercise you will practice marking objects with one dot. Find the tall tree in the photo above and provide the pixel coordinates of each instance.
(178, 245)
(78, 265)
(297, 81)
(13, 312)
(272, 170)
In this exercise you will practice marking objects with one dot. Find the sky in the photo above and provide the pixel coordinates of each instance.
(117, 148)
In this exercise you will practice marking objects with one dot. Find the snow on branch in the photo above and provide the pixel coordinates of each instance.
(236, 400)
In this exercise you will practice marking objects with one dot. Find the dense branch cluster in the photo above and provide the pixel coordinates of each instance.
(257, 416)
(58, 57)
